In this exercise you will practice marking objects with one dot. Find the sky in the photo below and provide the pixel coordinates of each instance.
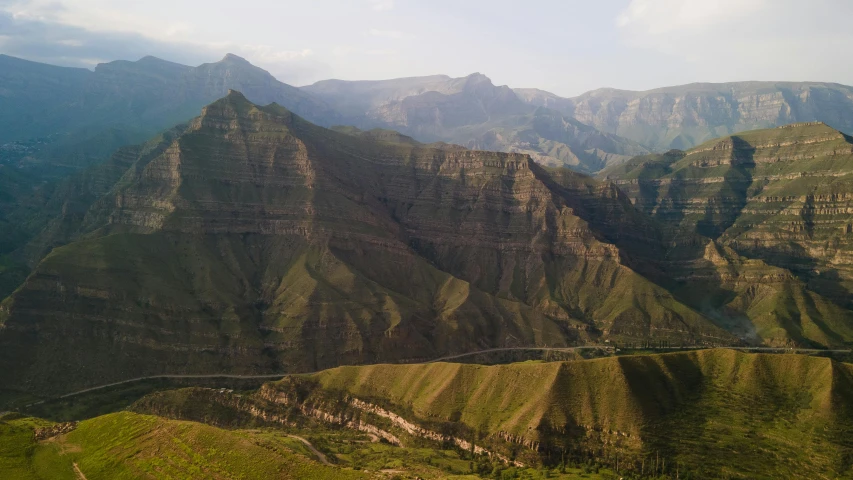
(563, 46)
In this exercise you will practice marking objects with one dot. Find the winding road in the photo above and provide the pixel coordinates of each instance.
(320, 456)
(440, 359)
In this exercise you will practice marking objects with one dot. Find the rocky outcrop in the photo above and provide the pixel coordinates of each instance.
(44, 433)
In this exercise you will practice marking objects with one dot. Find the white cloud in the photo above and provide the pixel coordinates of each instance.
(381, 51)
(727, 40)
(71, 43)
(657, 17)
(381, 5)
(95, 15)
(385, 33)
(267, 53)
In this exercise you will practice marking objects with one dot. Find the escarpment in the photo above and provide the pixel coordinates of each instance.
(780, 195)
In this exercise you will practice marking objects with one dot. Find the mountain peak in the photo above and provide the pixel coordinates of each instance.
(478, 77)
(235, 95)
(231, 58)
(151, 59)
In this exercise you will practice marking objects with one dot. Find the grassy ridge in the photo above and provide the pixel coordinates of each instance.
(715, 411)
(130, 446)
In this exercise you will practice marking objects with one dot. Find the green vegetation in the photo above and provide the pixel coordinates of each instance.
(707, 413)
(699, 414)
(127, 445)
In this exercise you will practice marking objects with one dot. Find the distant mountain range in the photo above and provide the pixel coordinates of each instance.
(684, 116)
(81, 116)
(472, 112)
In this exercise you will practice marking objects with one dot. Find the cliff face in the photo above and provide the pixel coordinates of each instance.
(685, 116)
(472, 112)
(781, 195)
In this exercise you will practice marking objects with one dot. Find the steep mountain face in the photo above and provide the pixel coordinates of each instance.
(473, 112)
(781, 195)
(684, 116)
(256, 241)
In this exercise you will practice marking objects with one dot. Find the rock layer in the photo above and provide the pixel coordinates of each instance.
(781, 195)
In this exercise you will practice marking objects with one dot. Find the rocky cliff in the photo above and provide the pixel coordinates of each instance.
(781, 195)
(685, 116)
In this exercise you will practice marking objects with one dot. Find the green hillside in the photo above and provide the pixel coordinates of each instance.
(132, 446)
(757, 416)
(702, 414)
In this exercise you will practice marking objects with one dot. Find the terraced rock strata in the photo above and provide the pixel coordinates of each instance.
(781, 195)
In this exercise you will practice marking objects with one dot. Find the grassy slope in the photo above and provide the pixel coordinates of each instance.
(131, 446)
(715, 411)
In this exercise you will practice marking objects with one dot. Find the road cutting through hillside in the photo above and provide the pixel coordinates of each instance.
(440, 359)
(317, 453)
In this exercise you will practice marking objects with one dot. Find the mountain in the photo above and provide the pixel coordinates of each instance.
(685, 116)
(781, 195)
(57, 121)
(705, 414)
(473, 112)
(82, 116)
(254, 241)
